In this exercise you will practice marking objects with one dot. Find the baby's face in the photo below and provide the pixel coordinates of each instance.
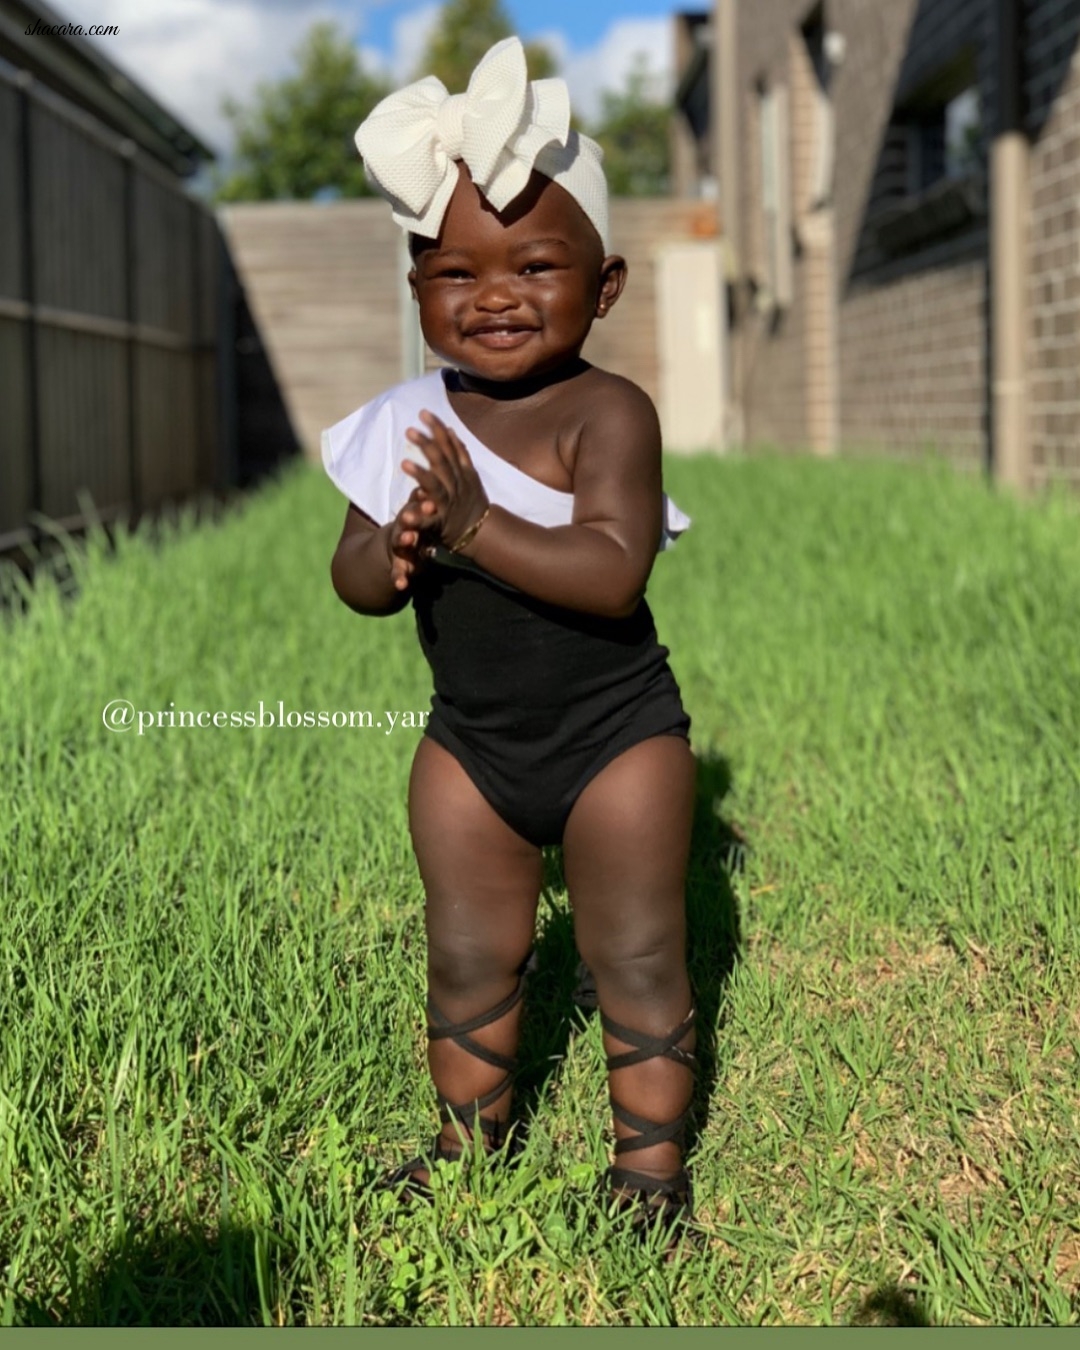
(512, 295)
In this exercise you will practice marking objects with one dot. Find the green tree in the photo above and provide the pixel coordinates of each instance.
(296, 138)
(465, 31)
(634, 131)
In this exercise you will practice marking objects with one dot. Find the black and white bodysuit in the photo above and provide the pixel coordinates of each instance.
(532, 699)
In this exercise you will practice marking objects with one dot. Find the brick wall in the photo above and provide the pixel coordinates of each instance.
(913, 363)
(772, 357)
(1053, 98)
(325, 286)
(911, 339)
(913, 330)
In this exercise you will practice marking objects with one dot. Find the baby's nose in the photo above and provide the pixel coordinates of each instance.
(497, 294)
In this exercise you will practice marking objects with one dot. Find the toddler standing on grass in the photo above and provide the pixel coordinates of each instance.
(523, 528)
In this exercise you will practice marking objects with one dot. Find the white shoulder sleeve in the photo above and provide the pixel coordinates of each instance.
(675, 523)
(356, 453)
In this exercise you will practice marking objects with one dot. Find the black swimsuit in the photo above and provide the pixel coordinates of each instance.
(533, 699)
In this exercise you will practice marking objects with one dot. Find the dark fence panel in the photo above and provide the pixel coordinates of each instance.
(82, 420)
(165, 416)
(10, 194)
(14, 429)
(164, 278)
(113, 324)
(15, 489)
(77, 216)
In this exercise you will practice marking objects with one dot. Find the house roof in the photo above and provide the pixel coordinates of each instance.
(80, 71)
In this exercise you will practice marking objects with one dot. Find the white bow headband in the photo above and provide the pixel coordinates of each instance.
(503, 127)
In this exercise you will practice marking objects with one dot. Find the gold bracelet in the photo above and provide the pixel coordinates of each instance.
(470, 533)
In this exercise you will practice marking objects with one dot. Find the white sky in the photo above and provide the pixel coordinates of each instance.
(190, 54)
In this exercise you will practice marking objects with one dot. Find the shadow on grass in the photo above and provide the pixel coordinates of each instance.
(714, 941)
(171, 1277)
(891, 1306)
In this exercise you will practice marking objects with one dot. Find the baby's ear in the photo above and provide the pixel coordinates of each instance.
(613, 272)
(411, 278)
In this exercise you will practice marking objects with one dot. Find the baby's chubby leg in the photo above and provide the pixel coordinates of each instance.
(625, 852)
(482, 883)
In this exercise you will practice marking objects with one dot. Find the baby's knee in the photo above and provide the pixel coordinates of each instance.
(645, 971)
(464, 970)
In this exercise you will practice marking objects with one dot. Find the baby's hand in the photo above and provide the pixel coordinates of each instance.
(452, 497)
(408, 541)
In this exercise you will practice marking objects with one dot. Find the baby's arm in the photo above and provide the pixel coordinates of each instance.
(373, 564)
(601, 562)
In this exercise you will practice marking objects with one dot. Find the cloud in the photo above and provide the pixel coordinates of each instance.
(607, 64)
(190, 54)
(411, 33)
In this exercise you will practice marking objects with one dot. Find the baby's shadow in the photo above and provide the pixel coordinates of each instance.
(561, 992)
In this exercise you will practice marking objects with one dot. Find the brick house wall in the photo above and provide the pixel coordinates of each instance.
(913, 344)
(910, 356)
(1053, 115)
(771, 360)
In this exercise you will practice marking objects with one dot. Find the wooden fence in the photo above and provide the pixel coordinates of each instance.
(115, 325)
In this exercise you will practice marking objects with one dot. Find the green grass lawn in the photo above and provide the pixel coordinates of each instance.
(211, 951)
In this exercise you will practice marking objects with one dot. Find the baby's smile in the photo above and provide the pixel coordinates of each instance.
(500, 336)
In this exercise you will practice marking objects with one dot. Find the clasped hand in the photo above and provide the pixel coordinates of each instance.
(448, 499)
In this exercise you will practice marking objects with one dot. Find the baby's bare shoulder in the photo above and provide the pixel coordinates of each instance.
(601, 422)
(618, 437)
(620, 413)
(618, 396)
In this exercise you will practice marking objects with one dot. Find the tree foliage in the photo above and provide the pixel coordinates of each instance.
(464, 32)
(634, 130)
(296, 138)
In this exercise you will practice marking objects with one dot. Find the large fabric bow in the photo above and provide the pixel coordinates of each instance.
(410, 140)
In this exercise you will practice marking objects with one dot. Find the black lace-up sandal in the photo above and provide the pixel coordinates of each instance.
(584, 995)
(668, 1200)
(468, 1114)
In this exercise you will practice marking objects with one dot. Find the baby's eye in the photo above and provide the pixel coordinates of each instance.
(537, 267)
(454, 273)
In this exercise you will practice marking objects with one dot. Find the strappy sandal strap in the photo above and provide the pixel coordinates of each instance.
(667, 1201)
(471, 1113)
(649, 1047)
(441, 1028)
(649, 1132)
(677, 1188)
(405, 1176)
(673, 1192)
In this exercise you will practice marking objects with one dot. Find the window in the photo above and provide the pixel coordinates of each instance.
(944, 141)
(930, 181)
(943, 124)
(963, 134)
